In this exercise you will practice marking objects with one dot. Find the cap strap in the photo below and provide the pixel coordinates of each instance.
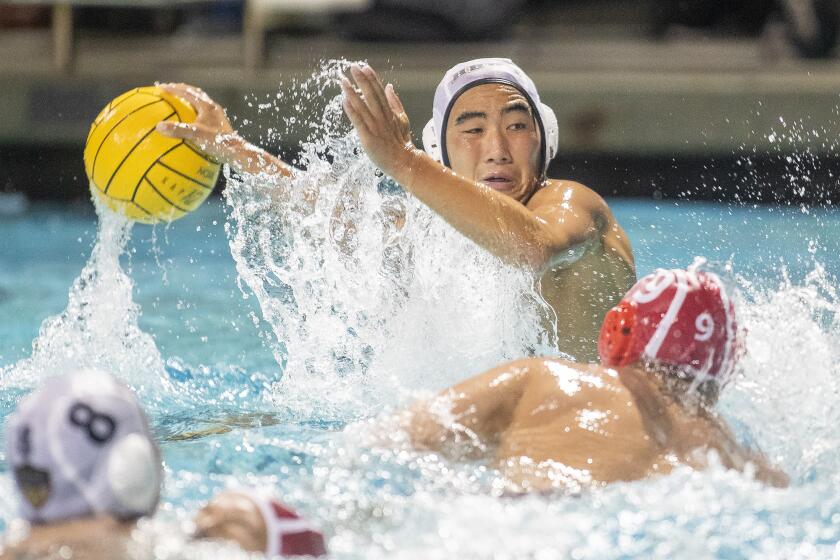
(655, 342)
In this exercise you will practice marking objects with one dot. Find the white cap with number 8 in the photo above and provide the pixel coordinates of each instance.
(81, 445)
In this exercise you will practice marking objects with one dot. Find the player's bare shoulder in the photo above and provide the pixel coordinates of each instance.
(583, 202)
(575, 380)
(572, 194)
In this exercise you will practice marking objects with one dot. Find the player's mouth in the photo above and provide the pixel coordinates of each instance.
(499, 181)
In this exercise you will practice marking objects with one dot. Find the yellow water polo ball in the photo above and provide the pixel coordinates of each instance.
(140, 173)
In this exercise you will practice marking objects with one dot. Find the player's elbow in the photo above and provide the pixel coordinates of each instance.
(424, 428)
(564, 244)
(552, 250)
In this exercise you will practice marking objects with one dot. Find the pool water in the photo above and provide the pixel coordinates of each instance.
(186, 281)
(267, 339)
(219, 362)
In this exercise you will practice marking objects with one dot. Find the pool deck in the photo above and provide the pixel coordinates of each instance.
(614, 91)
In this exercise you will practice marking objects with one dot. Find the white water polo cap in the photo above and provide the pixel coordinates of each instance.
(81, 445)
(466, 75)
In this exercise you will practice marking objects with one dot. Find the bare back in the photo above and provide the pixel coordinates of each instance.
(594, 425)
(552, 424)
(578, 424)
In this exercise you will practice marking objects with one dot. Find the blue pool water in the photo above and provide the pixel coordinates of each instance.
(209, 348)
(186, 280)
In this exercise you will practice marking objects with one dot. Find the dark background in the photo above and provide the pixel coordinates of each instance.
(703, 100)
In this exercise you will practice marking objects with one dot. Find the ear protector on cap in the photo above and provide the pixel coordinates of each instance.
(431, 141)
(552, 132)
(133, 473)
(617, 334)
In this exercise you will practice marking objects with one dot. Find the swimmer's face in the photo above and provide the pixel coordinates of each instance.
(493, 139)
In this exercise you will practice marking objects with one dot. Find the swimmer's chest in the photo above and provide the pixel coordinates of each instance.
(580, 295)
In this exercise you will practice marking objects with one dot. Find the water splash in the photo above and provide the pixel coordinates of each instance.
(99, 326)
(368, 310)
(360, 285)
(787, 395)
(362, 311)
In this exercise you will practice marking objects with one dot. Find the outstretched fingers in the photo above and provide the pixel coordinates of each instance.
(378, 89)
(394, 100)
(374, 94)
(196, 97)
(195, 135)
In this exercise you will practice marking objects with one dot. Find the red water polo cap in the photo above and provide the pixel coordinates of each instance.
(677, 317)
(287, 534)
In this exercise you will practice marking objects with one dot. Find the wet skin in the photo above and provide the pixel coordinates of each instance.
(548, 424)
(91, 538)
(492, 139)
(494, 192)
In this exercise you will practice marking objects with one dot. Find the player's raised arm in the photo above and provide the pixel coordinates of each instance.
(212, 133)
(485, 198)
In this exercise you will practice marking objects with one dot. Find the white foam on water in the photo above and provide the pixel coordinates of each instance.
(356, 304)
(788, 393)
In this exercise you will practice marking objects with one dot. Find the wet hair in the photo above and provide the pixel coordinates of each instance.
(683, 385)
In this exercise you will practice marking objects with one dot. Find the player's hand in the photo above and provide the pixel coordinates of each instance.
(379, 118)
(232, 516)
(211, 132)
